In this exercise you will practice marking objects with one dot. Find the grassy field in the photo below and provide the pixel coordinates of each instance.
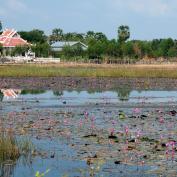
(89, 70)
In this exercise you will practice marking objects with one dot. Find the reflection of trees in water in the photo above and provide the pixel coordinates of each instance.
(124, 93)
(58, 93)
(1, 96)
(93, 91)
(24, 92)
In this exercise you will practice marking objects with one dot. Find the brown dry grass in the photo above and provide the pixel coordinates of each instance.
(89, 70)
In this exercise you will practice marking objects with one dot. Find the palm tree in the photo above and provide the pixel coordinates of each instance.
(57, 35)
(123, 33)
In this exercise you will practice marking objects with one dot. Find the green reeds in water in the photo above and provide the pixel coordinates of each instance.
(8, 148)
(11, 150)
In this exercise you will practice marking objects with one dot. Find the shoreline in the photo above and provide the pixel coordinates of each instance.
(86, 83)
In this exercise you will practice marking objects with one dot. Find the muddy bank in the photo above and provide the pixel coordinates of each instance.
(56, 83)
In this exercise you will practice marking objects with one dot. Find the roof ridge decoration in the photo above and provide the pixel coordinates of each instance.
(8, 39)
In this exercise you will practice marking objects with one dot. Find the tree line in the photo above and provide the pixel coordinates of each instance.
(99, 46)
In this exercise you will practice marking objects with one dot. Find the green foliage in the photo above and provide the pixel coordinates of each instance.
(99, 46)
(57, 35)
(123, 33)
(0, 26)
(1, 49)
(70, 52)
(24, 92)
(96, 49)
(73, 37)
(34, 36)
(38, 174)
(41, 49)
(20, 50)
(11, 148)
(85, 71)
(112, 49)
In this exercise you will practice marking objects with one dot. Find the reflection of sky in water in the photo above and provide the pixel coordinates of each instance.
(66, 166)
(65, 161)
(84, 97)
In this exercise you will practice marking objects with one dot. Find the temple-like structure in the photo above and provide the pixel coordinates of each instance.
(10, 39)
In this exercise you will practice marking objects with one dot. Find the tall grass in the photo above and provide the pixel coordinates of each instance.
(88, 71)
(8, 148)
(12, 149)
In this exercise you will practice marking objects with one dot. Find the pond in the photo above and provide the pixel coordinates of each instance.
(120, 132)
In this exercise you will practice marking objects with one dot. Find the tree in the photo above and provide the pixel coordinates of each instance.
(123, 33)
(100, 37)
(57, 35)
(20, 50)
(165, 45)
(73, 37)
(1, 49)
(34, 36)
(72, 52)
(0, 26)
(89, 36)
(128, 49)
(112, 49)
(96, 49)
(41, 49)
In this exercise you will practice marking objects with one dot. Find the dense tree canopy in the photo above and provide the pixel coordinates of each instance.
(57, 35)
(99, 46)
(34, 36)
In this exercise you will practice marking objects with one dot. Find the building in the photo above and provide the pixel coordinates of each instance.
(10, 39)
(58, 46)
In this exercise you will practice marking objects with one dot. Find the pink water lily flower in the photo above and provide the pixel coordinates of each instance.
(136, 110)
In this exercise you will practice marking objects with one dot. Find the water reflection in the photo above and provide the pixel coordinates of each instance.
(9, 93)
(122, 93)
(33, 92)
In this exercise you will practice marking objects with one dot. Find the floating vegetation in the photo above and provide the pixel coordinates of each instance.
(38, 174)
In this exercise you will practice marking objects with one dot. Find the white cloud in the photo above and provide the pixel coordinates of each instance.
(10, 6)
(145, 7)
(152, 7)
(16, 5)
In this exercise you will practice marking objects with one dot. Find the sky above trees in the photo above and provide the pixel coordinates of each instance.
(147, 19)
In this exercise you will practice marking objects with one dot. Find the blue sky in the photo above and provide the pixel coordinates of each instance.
(147, 19)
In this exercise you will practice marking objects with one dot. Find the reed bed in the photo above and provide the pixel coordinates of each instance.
(119, 71)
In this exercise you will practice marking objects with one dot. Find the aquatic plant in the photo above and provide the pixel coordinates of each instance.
(38, 174)
(11, 150)
(136, 110)
(138, 136)
(161, 120)
(122, 115)
(171, 145)
(8, 148)
(126, 129)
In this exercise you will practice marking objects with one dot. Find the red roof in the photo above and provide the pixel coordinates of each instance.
(10, 38)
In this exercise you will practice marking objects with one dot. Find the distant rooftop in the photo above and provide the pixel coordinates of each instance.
(61, 44)
(10, 38)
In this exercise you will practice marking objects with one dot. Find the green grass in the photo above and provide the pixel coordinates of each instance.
(84, 71)
(12, 149)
